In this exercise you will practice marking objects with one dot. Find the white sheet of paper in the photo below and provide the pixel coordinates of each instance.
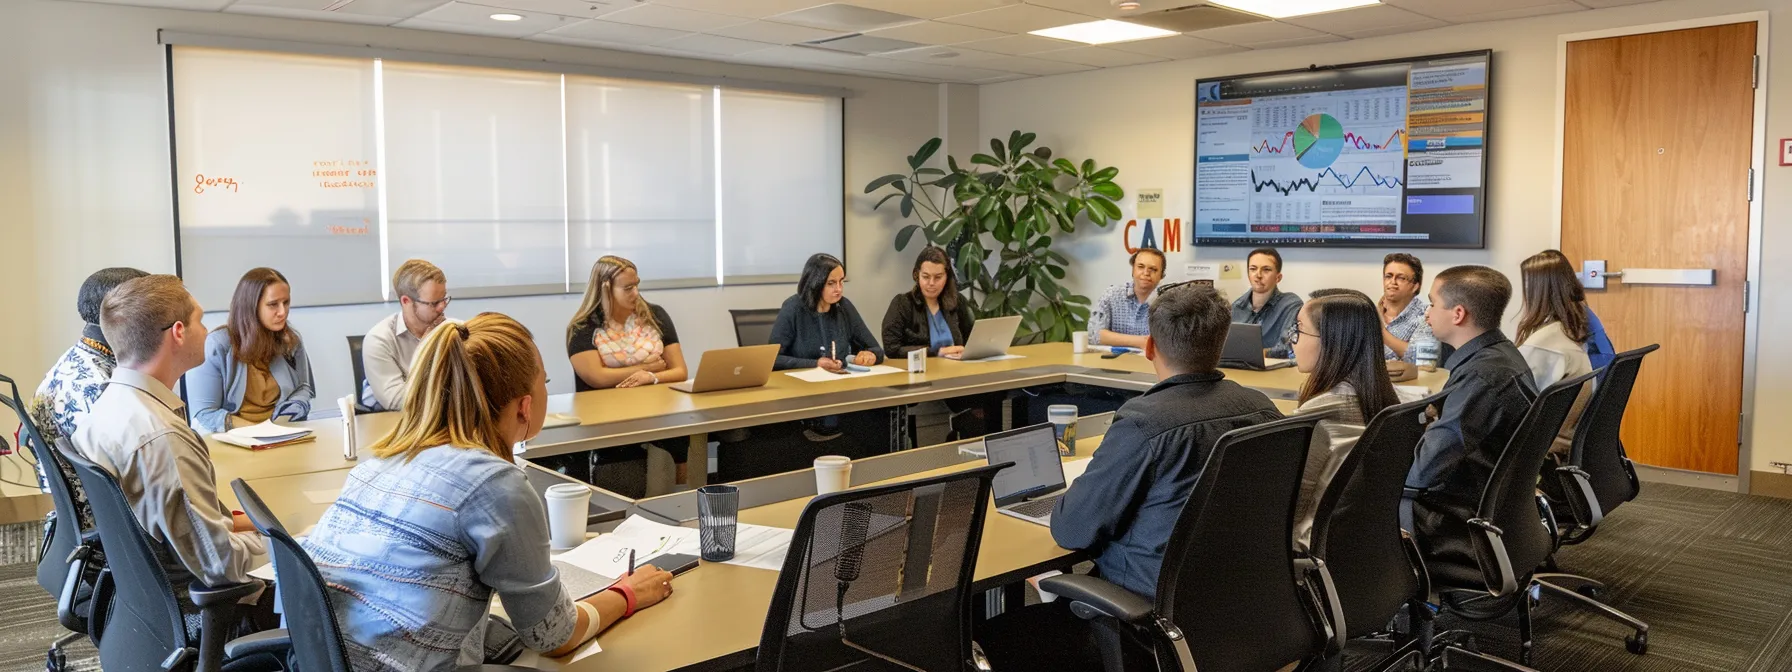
(264, 572)
(754, 545)
(1073, 469)
(822, 376)
(997, 358)
(268, 430)
(323, 496)
(1271, 361)
(608, 553)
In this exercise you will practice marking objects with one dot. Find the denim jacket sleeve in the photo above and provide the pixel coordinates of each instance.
(1102, 501)
(506, 529)
(206, 386)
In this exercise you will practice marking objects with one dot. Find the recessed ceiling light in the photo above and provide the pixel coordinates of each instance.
(1281, 9)
(1103, 32)
(507, 17)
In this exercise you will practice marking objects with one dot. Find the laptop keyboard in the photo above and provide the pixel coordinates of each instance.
(1038, 508)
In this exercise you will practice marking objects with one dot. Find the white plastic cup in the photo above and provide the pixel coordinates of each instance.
(568, 509)
(917, 361)
(833, 473)
(1079, 342)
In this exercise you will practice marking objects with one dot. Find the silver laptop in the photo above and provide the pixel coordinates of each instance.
(990, 338)
(732, 369)
(1029, 489)
(1244, 350)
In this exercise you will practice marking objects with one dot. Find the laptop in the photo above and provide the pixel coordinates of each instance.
(731, 369)
(1244, 350)
(1029, 489)
(990, 338)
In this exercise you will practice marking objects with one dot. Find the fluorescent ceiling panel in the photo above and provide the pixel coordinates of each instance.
(1103, 32)
(1281, 9)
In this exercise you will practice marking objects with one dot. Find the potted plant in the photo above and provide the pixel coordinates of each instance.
(995, 219)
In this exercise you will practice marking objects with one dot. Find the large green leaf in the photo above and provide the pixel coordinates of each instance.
(995, 147)
(1104, 175)
(985, 159)
(903, 237)
(929, 171)
(1108, 189)
(1104, 206)
(1088, 167)
(1044, 153)
(886, 199)
(881, 182)
(924, 153)
(1077, 299)
(1065, 165)
(1041, 242)
(1056, 271)
(1019, 141)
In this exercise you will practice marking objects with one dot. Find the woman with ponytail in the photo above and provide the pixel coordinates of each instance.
(441, 518)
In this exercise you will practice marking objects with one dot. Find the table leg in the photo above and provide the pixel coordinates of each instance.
(662, 472)
(697, 461)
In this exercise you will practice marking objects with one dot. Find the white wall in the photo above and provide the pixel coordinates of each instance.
(84, 180)
(1141, 119)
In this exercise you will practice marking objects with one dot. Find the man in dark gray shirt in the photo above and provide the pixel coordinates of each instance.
(1266, 304)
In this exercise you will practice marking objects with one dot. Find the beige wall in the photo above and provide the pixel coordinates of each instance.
(1141, 119)
(84, 180)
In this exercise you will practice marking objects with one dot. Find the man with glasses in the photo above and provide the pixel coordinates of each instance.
(1402, 309)
(1119, 317)
(388, 349)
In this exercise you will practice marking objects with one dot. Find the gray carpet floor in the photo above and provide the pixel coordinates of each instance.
(1711, 572)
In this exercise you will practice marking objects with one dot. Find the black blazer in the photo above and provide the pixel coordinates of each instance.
(905, 325)
(802, 334)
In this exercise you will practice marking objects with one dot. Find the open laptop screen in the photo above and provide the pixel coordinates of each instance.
(1037, 468)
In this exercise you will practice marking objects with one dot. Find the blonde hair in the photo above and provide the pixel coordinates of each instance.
(597, 295)
(463, 376)
(411, 275)
(134, 316)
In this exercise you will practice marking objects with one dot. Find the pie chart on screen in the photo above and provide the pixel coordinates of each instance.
(1318, 141)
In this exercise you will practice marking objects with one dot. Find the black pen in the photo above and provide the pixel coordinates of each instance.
(631, 562)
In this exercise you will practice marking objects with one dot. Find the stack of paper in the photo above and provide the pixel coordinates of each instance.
(264, 436)
(607, 555)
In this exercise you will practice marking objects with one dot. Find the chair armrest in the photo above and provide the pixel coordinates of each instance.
(1091, 597)
(204, 596)
(1318, 581)
(68, 601)
(1416, 558)
(1490, 549)
(274, 642)
(1587, 512)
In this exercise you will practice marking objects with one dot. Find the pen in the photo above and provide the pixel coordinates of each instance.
(631, 562)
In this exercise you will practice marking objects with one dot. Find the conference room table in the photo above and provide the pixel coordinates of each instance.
(714, 619)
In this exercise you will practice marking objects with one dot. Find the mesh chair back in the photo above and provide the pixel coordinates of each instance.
(52, 567)
(1228, 578)
(305, 602)
(144, 623)
(1597, 449)
(1356, 527)
(880, 574)
(753, 326)
(1509, 501)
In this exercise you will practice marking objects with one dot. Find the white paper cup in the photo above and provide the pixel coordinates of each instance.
(833, 473)
(568, 509)
(1079, 342)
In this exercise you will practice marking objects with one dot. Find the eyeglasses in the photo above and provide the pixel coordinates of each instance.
(1295, 337)
(1402, 279)
(433, 305)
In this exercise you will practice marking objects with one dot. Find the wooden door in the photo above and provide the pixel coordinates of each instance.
(1655, 174)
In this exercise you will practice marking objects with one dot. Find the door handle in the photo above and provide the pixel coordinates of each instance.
(1593, 275)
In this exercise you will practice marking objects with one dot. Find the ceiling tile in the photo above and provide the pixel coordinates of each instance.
(1020, 45)
(1453, 10)
(206, 5)
(1018, 18)
(713, 45)
(1004, 77)
(311, 14)
(584, 9)
(845, 18)
(942, 55)
(930, 9)
(1321, 38)
(928, 70)
(935, 32)
(598, 30)
(1254, 34)
(1105, 9)
(1367, 21)
(1098, 56)
(1032, 66)
(1176, 47)
(798, 56)
(775, 33)
(314, 5)
(394, 8)
(752, 9)
(672, 18)
(465, 17)
(1596, 4)
(1522, 12)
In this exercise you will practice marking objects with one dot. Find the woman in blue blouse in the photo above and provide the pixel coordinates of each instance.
(255, 366)
(442, 518)
(932, 316)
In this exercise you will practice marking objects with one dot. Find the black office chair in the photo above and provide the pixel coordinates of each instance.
(1226, 597)
(144, 629)
(880, 578)
(1597, 479)
(68, 565)
(753, 326)
(1511, 534)
(1374, 566)
(354, 358)
(311, 628)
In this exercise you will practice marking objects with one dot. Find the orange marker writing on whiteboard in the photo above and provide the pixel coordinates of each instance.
(200, 182)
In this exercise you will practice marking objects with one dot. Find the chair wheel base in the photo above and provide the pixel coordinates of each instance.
(55, 661)
(1637, 643)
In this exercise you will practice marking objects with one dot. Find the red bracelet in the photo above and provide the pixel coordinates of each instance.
(628, 596)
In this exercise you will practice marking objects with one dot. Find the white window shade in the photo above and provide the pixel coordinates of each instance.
(640, 160)
(782, 197)
(475, 176)
(274, 161)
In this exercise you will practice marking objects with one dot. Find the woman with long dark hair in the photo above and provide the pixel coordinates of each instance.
(1553, 330)
(1337, 342)
(932, 316)
(255, 366)
(818, 326)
